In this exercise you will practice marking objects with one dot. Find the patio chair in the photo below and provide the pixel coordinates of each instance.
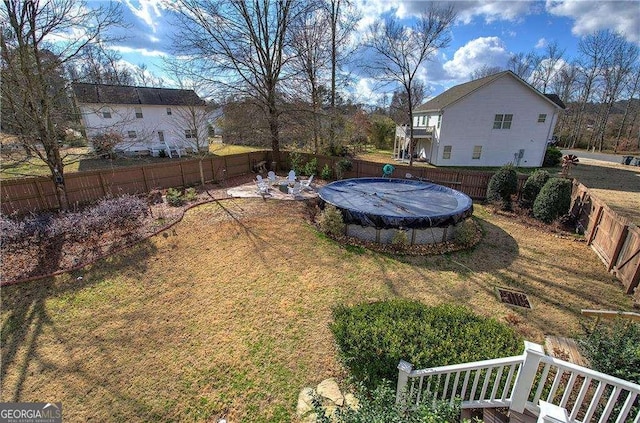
(306, 184)
(296, 189)
(263, 186)
(291, 178)
(273, 180)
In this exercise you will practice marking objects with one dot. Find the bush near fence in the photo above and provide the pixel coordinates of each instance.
(36, 194)
(615, 239)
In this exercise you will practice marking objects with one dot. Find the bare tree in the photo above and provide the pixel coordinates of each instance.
(241, 45)
(548, 67)
(343, 20)
(32, 67)
(399, 51)
(594, 50)
(311, 45)
(565, 84)
(523, 64)
(400, 103)
(623, 57)
(144, 77)
(632, 85)
(485, 70)
(99, 65)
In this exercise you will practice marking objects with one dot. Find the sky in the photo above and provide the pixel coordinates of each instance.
(485, 33)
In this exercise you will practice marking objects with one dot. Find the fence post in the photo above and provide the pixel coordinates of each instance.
(619, 243)
(596, 222)
(404, 369)
(526, 376)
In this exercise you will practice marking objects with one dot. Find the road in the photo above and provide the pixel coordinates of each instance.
(614, 158)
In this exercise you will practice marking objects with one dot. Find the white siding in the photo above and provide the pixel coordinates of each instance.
(469, 123)
(154, 119)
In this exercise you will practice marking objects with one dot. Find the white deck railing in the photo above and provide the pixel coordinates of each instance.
(521, 382)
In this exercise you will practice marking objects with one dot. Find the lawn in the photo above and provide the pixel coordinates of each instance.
(616, 184)
(226, 315)
(14, 164)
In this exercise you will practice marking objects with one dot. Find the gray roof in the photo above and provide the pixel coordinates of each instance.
(123, 94)
(456, 93)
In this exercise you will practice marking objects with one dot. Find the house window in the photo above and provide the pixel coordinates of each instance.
(422, 120)
(106, 114)
(477, 152)
(132, 134)
(190, 133)
(439, 120)
(168, 111)
(139, 112)
(542, 117)
(502, 122)
(446, 152)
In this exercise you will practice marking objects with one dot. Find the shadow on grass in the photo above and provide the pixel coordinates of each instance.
(26, 315)
(496, 250)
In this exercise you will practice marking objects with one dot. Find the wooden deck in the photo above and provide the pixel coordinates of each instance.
(564, 349)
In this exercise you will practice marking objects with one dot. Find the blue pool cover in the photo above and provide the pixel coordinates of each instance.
(393, 203)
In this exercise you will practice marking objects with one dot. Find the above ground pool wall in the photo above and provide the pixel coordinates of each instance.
(414, 236)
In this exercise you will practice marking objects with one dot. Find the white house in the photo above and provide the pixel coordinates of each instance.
(150, 120)
(490, 121)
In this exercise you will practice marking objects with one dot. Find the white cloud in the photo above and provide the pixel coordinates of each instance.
(371, 11)
(148, 11)
(142, 51)
(477, 53)
(367, 91)
(591, 16)
(493, 10)
(542, 43)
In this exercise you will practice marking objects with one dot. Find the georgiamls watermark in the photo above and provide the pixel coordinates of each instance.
(30, 412)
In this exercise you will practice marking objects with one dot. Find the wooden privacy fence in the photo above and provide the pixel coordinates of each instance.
(614, 238)
(37, 194)
(472, 182)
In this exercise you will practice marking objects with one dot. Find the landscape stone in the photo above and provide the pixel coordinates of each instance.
(329, 388)
(351, 401)
(305, 404)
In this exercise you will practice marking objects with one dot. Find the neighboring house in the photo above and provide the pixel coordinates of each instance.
(490, 121)
(150, 120)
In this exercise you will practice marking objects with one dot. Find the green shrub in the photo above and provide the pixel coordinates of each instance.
(373, 338)
(311, 167)
(400, 238)
(190, 194)
(532, 187)
(614, 349)
(174, 197)
(502, 185)
(342, 166)
(326, 173)
(331, 221)
(553, 200)
(295, 159)
(380, 405)
(465, 233)
(552, 157)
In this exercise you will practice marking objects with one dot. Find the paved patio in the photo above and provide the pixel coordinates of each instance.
(250, 190)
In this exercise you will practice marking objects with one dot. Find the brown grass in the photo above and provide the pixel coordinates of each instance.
(229, 315)
(616, 184)
(15, 164)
